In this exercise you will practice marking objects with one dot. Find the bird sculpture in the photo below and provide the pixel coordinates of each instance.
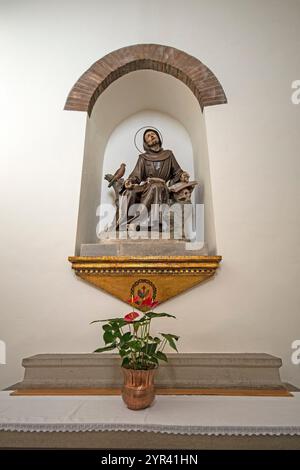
(118, 174)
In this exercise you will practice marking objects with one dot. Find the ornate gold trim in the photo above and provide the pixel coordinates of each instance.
(171, 275)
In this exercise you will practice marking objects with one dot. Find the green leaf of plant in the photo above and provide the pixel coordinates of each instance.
(149, 348)
(106, 348)
(170, 339)
(125, 362)
(126, 337)
(135, 345)
(153, 359)
(141, 320)
(123, 352)
(161, 356)
(112, 321)
(108, 337)
(107, 327)
(158, 315)
(153, 340)
(176, 337)
(117, 333)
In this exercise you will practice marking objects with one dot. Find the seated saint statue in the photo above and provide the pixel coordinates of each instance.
(155, 174)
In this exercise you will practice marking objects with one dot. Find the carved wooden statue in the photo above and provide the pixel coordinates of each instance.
(156, 179)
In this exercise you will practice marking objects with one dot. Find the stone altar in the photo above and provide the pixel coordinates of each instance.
(184, 370)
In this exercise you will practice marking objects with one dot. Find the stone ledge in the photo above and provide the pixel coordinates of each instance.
(193, 370)
(143, 247)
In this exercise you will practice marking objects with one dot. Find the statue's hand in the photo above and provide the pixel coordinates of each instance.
(184, 177)
(129, 184)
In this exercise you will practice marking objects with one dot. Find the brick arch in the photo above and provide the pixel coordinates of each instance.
(193, 73)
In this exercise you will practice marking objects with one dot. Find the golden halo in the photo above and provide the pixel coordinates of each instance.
(146, 127)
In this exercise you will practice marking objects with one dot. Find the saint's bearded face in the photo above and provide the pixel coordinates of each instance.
(152, 139)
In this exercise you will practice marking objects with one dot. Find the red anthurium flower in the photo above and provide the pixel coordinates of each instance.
(130, 317)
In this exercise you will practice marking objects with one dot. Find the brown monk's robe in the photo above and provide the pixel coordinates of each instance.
(161, 165)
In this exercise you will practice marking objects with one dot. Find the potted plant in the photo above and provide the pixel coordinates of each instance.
(140, 351)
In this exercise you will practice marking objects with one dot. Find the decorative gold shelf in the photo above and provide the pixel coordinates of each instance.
(161, 277)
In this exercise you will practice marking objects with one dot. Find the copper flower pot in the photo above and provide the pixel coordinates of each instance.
(138, 390)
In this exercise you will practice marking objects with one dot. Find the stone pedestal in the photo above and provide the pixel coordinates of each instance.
(142, 247)
(198, 370)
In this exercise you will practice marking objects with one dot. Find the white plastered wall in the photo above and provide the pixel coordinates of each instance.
(253, 48)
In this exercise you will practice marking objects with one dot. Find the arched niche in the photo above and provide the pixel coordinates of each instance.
(131, 81)
(137, 92)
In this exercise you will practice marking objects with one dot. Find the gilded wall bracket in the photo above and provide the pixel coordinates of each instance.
(160, 277)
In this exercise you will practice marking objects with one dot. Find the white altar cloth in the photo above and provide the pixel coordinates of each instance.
(203, 415)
